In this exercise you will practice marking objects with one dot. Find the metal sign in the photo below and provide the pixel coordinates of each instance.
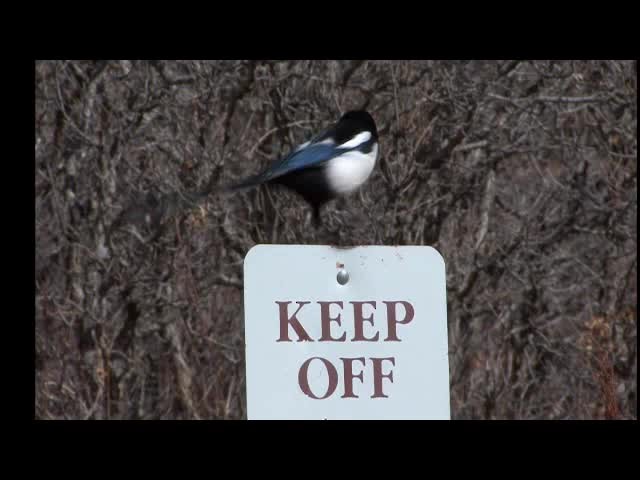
(355, 333)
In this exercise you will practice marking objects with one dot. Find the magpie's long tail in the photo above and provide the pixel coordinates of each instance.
(191, 199)
(245, 184)
(213, 189)
(156, 207)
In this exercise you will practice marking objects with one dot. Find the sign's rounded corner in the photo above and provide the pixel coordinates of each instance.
(440, 257)
(252, 251)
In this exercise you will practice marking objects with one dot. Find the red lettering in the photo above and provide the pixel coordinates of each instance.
(326, 319)
(303, 378)
(285, 321)
(358, 322)
(378, 376)
(349, 376)
(392, 320)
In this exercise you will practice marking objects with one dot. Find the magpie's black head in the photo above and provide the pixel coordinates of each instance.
(353, 123)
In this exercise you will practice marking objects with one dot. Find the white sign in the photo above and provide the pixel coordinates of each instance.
(346, 333)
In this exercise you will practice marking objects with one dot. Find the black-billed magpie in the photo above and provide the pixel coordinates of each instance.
(335, 162)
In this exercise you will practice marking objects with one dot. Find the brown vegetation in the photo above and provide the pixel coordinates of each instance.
(522, 174)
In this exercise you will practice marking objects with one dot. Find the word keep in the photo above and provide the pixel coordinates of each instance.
(326, 321)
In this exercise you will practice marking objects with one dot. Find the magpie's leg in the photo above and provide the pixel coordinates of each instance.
(331, 236)
(317, 220)
(321, 228)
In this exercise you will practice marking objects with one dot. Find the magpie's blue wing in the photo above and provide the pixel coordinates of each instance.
(305, 156)
(309, 156)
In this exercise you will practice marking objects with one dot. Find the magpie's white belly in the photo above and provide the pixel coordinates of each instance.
(350, 170)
